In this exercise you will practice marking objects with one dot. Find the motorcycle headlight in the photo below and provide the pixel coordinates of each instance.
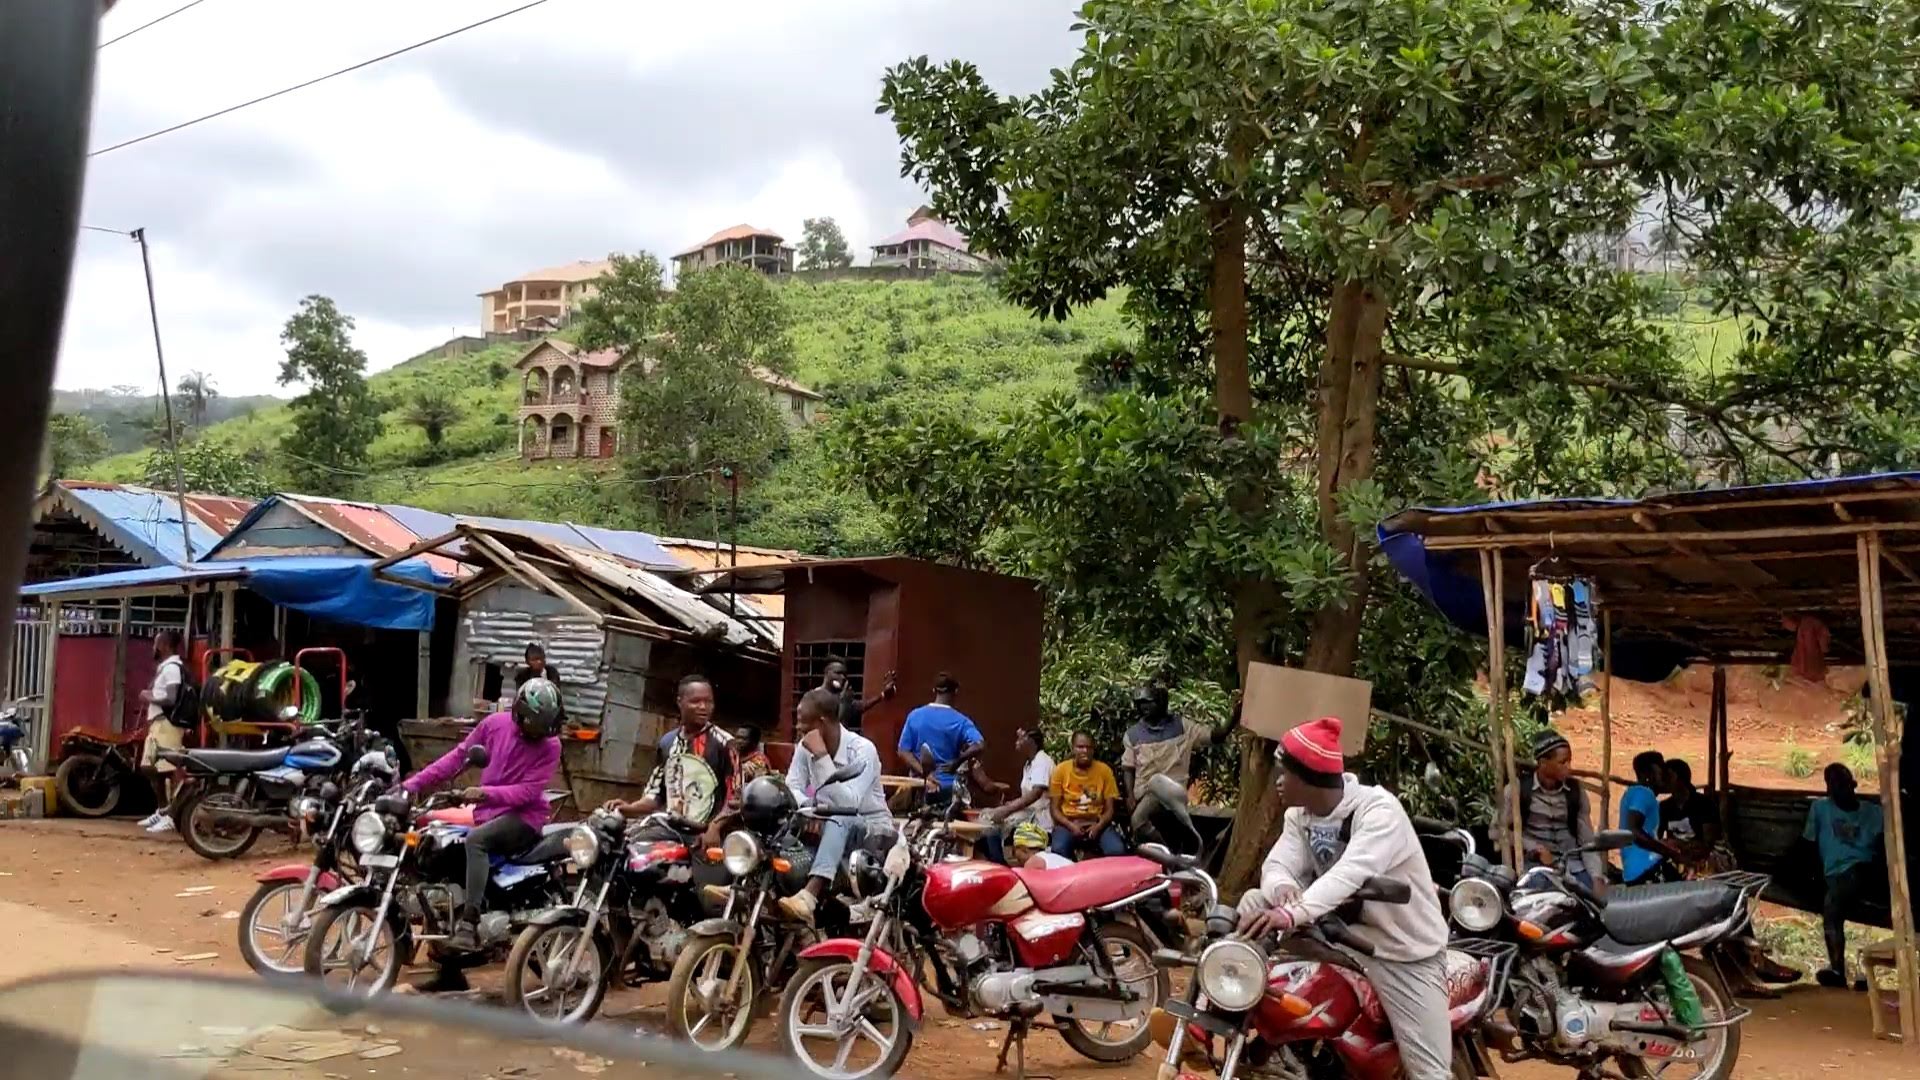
(741, 853)
(369, 833)
(306, 808)
(1233, 975)
(583, 847)
(1475, 905)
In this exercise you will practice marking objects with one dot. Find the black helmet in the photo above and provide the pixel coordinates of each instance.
(765, 804)
(536, 708)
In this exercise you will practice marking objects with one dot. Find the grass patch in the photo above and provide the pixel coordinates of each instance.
(1798, 941)
(1859, 758)
(1795, 760)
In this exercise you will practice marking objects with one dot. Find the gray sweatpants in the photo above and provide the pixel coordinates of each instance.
(1414, 995)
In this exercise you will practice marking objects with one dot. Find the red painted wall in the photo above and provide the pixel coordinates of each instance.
(82, 685)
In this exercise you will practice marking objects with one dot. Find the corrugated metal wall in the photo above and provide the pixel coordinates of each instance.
(496, 626)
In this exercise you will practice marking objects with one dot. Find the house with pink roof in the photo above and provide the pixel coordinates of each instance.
(927, 243)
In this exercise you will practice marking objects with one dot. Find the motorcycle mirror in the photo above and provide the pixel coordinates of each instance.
(1384, 890)
(844, 773)
(477, 756)
(1611, 840)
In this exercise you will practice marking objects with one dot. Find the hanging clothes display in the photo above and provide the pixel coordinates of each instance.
(1563, 642)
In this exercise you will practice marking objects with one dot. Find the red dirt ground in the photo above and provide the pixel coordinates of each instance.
(88, 895)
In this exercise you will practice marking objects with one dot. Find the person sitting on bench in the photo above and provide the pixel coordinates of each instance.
(1084, 794)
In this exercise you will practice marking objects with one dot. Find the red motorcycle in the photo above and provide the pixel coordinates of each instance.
(1006, 943)
(1305, 1010)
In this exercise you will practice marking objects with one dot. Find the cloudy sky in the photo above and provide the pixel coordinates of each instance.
(564, 132)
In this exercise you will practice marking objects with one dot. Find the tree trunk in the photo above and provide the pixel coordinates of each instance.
(1227, 315)
(1347, 399)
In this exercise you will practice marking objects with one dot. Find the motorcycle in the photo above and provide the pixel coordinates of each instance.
(232, 796)
(15, 761)
(1603, 979)
(96, 769)
(281, 910)
(628, 920)
(729, 964)
(414, 858)
(1300, 1007)
(1000, 942)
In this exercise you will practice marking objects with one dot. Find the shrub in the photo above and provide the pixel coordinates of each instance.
(1795, 760)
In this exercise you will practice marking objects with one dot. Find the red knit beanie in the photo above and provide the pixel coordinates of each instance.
(1316, 745)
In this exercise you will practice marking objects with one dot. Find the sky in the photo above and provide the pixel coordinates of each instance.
(403, 190)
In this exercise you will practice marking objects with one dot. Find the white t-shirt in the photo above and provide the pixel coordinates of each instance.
(862, 793)
(1038, 773)
(166, 679)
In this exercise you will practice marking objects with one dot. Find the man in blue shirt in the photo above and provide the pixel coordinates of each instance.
(944, 730)
(1848, 831)
(1640, 815)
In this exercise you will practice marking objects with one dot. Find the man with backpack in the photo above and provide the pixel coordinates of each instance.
(169, 681)
(1554, 822)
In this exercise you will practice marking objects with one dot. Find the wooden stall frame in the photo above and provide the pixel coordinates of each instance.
(1887, 734)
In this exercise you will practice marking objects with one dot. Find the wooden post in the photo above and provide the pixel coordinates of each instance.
(1719, 756)
(423, 677)
(1606, 718)
(1505, 773)
(1887, 732)
(117, 693)
(229, 599)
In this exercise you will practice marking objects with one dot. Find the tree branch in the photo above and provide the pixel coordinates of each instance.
(1491, 180)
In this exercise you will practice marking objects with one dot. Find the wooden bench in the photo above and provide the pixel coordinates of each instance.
(1875, 959)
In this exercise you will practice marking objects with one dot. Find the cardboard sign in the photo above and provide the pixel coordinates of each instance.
(1279, 699)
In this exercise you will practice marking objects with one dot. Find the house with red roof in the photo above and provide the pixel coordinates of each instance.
(927, 243)
(761, 249)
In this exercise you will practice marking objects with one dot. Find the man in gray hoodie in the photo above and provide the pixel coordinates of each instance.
(1338, 833)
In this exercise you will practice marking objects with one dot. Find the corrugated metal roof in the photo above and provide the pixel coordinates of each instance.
(145, 522)
(692, 612)
(371, 528)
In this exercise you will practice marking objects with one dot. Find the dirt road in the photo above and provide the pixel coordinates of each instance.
(91, 895)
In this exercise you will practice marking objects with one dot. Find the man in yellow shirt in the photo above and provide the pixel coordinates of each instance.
(1084, 794)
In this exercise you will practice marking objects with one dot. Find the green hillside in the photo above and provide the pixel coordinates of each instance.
(948, 345)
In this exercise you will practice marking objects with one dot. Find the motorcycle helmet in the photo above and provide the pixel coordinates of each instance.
(536, 708)
(765, 804)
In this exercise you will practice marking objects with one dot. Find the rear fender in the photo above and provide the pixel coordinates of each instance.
(329, 881)
(882, 962)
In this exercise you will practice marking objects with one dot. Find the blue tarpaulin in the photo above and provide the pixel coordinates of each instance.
(332, 587)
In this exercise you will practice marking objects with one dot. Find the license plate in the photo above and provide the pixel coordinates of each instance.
(387, 861)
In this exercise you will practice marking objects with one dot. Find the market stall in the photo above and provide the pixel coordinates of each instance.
(1728, 576)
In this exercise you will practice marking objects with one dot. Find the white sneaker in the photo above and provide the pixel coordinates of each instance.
(152, 819)
(162, 826)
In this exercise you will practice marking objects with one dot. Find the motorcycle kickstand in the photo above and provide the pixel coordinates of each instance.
(1016, 1041)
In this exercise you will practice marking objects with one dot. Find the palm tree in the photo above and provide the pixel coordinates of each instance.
(433, 412)
(196, 394)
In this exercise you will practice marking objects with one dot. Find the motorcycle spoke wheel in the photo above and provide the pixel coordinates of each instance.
(862, 1042)
(276, 932)
(353, 963)
(1714, 1052)
(219, 839)
(548, 991)
(1132, 963)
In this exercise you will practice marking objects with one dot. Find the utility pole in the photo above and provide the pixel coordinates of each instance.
(166, 397)
(733, 531)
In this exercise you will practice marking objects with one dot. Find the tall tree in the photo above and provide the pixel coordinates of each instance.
(1301, 194)
(209, 466)
(625, 313)
(72, 442)
(336, 419)
(693, 403)
(194, 395)
(823, 246)
(433, 411)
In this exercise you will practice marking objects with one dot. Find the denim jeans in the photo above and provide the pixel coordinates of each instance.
(837, 834)
(1064, 841)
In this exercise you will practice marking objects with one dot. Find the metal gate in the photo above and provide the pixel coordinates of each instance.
(27, 671)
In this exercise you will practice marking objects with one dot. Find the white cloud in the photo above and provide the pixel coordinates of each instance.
(402, 190)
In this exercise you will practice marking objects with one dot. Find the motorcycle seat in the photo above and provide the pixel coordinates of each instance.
(1088, 884)
(236, 761)
(451, 815)
(1645, 914)
(1466, 978)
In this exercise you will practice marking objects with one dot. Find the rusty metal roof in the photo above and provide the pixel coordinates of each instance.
(145, 522)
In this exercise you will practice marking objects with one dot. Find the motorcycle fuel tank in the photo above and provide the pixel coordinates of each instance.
(960, 894)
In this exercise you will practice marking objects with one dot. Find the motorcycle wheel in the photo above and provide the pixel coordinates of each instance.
(1721, 1050)
(1131, 955)
(208, 838)
(86, 785)
(700, 972)
(803, 1023)
(538, 960)
(327, 959)
(268, 918)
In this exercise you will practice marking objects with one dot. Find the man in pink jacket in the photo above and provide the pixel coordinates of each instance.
(509, 805)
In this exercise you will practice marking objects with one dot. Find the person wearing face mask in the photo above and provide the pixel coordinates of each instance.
(1160, 743)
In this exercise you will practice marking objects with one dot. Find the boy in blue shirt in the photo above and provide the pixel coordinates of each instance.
(1640, 815)
(1848, 831)
(943, 729)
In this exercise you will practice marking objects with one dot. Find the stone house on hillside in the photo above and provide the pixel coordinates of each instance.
(542, 299)
(760, 249)
(570, 400)
(927, 243)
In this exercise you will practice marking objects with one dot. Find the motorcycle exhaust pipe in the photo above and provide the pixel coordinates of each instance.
(253, 819)
(1501, 1035)
(1675, 1032)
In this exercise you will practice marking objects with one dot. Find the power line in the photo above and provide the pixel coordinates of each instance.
(144, 25)
(116, 232)
(314, 81)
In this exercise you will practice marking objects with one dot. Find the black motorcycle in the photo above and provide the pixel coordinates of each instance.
(639, 893)
(415, 861)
